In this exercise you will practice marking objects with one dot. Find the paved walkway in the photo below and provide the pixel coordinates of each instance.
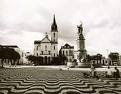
(104, 68)
(39, 80)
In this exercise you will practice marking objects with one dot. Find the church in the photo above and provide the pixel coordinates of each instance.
(47, 48)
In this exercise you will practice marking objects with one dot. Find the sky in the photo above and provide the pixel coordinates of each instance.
(23, 21)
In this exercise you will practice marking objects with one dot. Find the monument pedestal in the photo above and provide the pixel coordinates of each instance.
(83, 65)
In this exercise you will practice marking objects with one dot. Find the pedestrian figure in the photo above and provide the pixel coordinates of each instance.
(116, 73)
(93, 72)
(68, 68)
(60, 69)
(109, 72)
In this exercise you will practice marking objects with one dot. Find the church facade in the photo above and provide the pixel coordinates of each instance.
(47, 48)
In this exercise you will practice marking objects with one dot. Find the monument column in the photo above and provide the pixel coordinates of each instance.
(81, 51)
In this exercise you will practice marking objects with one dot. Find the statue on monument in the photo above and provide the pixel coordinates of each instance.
(80, 28)
(81, 45)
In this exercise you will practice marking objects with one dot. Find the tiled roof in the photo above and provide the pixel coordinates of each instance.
(12, 46)
(67, 46)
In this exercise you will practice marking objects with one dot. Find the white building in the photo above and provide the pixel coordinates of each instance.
(25, 60)
(68, 51)
(120, 60)
(47, 48)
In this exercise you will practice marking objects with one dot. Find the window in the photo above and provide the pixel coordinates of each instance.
(63, 52)
(53, 34)
(49, 52)
(66, 52)
(37, 54)
(54, 54)
(42, 52)
(54, 47)
(45, 47)
(37, 47)
(54, 40)
(70, 52)
(70, 60)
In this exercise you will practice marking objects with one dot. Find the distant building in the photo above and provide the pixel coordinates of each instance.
(120, 60)
(68, 51)
(25, 55)
(102, 61)
(112, 60)
(114, 56)
(47, 48)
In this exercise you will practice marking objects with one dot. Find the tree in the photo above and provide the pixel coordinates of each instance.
(59, 60)
(88, 58)
(8, 53)
(114, 57)
(35, 60)
(15, 55)
(31, 58)
(2, 55)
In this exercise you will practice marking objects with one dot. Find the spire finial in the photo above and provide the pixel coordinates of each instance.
(54, 19)
(46, 34)
(54, 25)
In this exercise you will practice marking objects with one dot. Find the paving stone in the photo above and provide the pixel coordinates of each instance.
(38, 81)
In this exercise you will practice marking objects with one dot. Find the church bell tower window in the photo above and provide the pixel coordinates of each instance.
(45, 47)
(53, 34)
(37, 47)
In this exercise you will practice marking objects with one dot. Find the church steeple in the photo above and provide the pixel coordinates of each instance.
(54, 38)
(54, 25)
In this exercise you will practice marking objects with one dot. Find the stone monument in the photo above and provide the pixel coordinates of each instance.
(81, 51)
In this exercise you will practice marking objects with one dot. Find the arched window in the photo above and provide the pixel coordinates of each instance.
(45, 47)
(63, 52)
(49, 52)
(66, 52)
(42, 52)
(54, 40)
(70, 52)
(53, 34)
(70, 59)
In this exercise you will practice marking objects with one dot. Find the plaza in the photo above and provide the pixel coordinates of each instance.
(52, 80)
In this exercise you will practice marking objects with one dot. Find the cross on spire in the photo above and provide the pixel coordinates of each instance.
(46, 34)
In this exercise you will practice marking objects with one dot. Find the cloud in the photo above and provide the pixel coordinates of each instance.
(26, 20)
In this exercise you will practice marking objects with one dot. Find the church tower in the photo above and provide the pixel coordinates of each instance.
(81, 44)
(54, 38)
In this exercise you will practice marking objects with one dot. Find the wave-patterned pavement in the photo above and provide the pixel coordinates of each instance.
(38, 81)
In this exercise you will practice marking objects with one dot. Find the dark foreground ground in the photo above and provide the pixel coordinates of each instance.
(52, 81)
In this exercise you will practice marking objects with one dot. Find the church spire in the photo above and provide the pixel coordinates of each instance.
(54, 21)
(54, 25)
